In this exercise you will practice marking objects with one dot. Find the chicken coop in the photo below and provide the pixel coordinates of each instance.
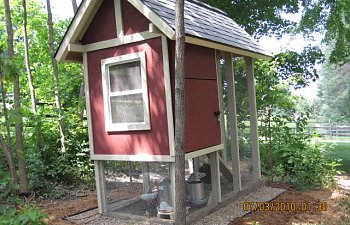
(127, 49)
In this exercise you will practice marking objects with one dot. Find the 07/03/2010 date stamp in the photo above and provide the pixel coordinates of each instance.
(285, 206)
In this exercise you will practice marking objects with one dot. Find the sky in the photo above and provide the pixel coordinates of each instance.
(63, 9)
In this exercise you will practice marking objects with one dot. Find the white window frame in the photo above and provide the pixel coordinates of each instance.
(117, 60)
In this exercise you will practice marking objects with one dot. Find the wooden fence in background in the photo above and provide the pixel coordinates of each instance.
(329, 129)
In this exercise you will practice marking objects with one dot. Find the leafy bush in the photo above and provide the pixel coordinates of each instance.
(28, 215)
(293, 159)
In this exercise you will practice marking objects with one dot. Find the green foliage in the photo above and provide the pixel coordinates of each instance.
(288, 155)
(332, 19)
(47, 165)
(334, 96)
(294, 160)
(28, 215)
(259, 17)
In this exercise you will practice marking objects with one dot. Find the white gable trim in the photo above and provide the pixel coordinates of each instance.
(86, 11)
(154, 18)
(118, 18)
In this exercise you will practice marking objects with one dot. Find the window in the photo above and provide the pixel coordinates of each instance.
(124, 82)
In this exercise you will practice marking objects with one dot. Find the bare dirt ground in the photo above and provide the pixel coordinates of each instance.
(313, 207)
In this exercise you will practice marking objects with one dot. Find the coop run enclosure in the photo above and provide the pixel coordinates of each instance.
(127, 48)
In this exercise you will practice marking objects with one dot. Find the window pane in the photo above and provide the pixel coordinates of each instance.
(127, 108)
(125, 77)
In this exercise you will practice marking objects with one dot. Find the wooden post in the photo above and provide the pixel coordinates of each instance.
(253, 118)
(221, 106)
(101, 186)
(215, 176)
(190, 165)
(237, 185)
(196, 164)
(145, 177)
(172, 180)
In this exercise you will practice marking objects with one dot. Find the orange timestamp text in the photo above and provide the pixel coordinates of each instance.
(285, 206)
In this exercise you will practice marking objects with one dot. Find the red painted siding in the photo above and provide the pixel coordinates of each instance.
(103, 26)
(201, 100)
(154, 141)
(133, 20)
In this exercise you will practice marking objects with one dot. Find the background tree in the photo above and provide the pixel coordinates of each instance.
(55, 76)
(180, 185)
(34, 107)
(334, 95)
(23, 182)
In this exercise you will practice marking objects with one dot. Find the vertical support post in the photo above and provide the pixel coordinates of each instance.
(100, 186)
(237, 184)
(215, 176)
(190, 165)
(221, 106)
(196, 164)
(172, 180)
(253, 118)
(146, 183)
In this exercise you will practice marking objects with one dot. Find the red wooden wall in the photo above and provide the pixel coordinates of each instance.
(154, 141)
(201, 96)
(202, 127)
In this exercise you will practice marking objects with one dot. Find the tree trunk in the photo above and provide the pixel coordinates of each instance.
(75, 7)
(8, 147)
(180, 185)
(55, 76)
(9, 157)
(23, 183)
(37, 128)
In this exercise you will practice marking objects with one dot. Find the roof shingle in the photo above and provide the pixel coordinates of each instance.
(208, 23)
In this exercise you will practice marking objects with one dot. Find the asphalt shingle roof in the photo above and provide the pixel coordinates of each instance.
(207, 23)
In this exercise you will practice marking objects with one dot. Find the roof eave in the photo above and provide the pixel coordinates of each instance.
(85, 11)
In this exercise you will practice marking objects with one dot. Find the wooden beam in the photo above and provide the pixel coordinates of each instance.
(237, 185)
(118, 18)
(215, 177)
(101, 186)
(225, 171)
(146, 181)
(253, 118)
(221, 106)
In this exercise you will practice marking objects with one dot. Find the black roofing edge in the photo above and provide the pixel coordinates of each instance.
(70, 24)
(230, 46)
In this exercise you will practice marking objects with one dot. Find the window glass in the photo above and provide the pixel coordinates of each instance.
(125, 77)
(127, 108)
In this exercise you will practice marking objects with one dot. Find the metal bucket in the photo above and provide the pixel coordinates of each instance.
(195, 192)
(164, 195)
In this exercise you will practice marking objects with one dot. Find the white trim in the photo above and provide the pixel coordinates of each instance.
(154, 18)
(222, 47)
(117, 60)
(215, 176)
(101, 186)
(237, 183)
(85, 12)
(253, 118)
(118, 18)
(76, 48)
(120, 41)
(134, 158)
(168, 98)
(221, 105)
(203, 151)
(87, 100)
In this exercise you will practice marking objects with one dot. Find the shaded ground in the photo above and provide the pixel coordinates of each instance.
(314, 207)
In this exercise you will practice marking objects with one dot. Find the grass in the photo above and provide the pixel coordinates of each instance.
(339, 150)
